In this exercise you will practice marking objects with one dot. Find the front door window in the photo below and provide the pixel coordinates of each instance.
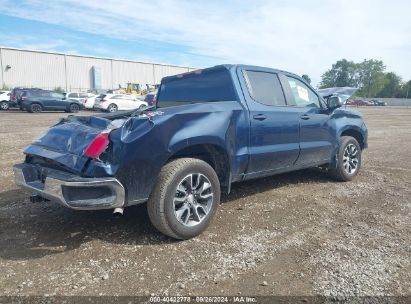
(303, 95)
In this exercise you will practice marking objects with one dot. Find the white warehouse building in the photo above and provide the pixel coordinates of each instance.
(47, 70)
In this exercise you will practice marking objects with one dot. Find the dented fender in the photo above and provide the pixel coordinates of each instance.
(144, 144)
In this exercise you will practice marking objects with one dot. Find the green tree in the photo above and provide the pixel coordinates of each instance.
(368, 76)
(58, 89)
(392, 87)
(306, 78)
(342, 74)
(371, 77)
(406, 90)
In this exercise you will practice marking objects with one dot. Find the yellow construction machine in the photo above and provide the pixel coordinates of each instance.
(136, 89)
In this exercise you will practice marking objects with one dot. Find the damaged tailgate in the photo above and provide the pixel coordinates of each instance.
(65, 143)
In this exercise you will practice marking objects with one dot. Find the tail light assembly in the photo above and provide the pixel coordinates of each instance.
(98, 145)
(154, 100)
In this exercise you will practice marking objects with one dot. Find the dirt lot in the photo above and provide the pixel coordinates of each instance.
(293, 234)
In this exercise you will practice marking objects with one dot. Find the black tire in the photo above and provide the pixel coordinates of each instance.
(161, 207)
(344, 162)
(112, 108)
(74, 108)
(4, 105)
(35, 108)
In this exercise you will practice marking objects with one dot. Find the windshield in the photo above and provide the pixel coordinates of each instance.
(207, 85)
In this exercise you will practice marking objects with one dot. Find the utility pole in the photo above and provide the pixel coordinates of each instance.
(369, 85)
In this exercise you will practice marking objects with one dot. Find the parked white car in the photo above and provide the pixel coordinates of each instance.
(115, 102)
(79, 96)
(89, 102)
(4, 100)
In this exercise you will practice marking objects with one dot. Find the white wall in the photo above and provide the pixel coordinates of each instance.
(161, 71)
(127, 71)
(33, 69)
(74, 73)
(79, 72)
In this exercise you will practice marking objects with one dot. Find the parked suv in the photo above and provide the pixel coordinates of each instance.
(15, 96)
(35, 101)
(210, 128)
(151, 98)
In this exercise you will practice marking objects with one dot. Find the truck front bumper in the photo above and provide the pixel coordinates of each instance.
(70, 190)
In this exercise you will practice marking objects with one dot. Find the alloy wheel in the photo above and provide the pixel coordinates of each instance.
(4, 106)
(193, 199)
(74, 108)
(112, 108)
(350, 159)
(36, 108)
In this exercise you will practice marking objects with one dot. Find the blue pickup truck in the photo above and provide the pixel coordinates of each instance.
(210, 128)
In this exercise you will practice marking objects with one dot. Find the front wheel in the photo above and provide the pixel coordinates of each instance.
(74, 108)
(4, 105)
(185, 198)
(35, 108)
(112, 108)
(348, 159)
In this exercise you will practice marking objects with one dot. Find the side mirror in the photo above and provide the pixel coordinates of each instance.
(334, 102)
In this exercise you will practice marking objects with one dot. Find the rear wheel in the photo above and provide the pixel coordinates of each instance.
(112, 108)
(35, 108)
(348, 159)
(185, 198)
(4, 105)
(74, 108)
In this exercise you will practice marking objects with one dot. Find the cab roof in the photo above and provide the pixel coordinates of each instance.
(230, 67)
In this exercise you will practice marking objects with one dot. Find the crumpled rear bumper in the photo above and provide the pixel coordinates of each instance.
(70, 190)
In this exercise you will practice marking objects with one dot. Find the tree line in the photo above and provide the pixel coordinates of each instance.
(369, 76)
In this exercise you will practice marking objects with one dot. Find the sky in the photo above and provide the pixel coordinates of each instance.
(304, 37)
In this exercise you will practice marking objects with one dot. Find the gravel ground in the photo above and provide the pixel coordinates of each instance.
(294, 234)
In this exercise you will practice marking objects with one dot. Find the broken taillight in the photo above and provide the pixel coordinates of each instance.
(98, 145)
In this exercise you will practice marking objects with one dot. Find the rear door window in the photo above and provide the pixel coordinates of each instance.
(44, 94)
(265, 88)
(118, 97)
(56, 95)
(73, 95)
